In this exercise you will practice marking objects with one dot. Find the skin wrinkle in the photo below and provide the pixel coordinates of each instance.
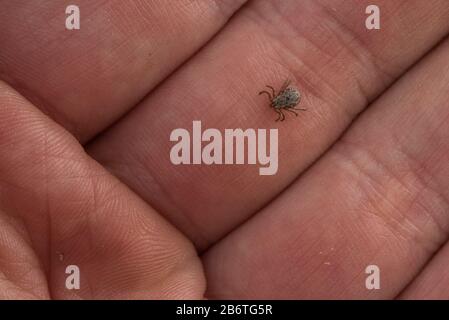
(226, 8)
(347, 46)
(6, 291)
(425, 267)
(199, 236)
(23, 230)
(419, 271)
(342, 35)
(87, 223)
(362, 173)
(24, 274)
(384, 168)
(425, 184)
(112, 167)
(46, 107)
(364, 96)
(45, 170)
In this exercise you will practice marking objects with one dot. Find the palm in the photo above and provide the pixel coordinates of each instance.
(376, 194)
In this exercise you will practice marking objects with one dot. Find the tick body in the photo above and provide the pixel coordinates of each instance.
(285, 100)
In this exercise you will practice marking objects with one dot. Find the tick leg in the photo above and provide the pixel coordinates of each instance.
(302, 109)
(283, 115)
(269, 95)
(285, 85)
(279, 113)
(272, 89)
(290, 110)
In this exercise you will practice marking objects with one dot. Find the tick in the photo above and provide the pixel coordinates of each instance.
(286, 99)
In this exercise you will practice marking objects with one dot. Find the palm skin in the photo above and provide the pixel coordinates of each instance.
(363, 174)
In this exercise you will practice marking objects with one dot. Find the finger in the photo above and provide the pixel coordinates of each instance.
(87, 78)
(378, 197)
(334, 61)
(75, 213)
(432, 282)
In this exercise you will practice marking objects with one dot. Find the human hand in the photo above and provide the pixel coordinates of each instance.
(350, 190)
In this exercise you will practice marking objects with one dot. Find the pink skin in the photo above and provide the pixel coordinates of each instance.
(140, 228)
